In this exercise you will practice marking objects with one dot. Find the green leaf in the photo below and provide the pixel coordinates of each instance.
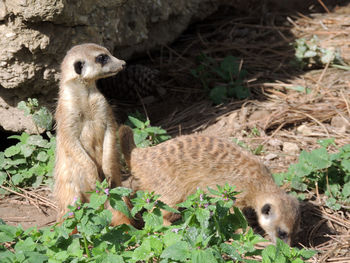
(170, 237)
(231, 251)
(153, 219)
(178, 251)
(61, 256)
(74, 249)
(345, 164)
(96, 200)
(33, 102)
(3, 177)
(120, 206)
(143, 252)
(306, 254)
(138, 124)
(230, 65)
(7, 256)
(156, 244)
(110, 258)
(2, 160)
(326, 142)
(12, 151)
(139, 136)
(155, 130)
(17, 179)
(27, 245)
(241, 92)
(345, 192)
(42, 156)
(22, 105)
(283, 247)
(38, 140)
(332, 203)
(218, 94)
(7, 233)
(203, 216)
(269, 253)
(319, 158)
(43, 118)
(38, 181)
(203, 256)
(301, 89)
(120, 191)
(279, 178)
(310, 54)
(38, 170)
(27, 150)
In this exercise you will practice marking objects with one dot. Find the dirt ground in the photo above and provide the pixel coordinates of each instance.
(282, 120)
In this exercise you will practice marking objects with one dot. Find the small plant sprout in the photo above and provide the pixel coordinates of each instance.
(41, 116)
(221, 80)
(309, 53)
(146, 135)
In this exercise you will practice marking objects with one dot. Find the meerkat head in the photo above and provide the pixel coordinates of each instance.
(89, 62)
(279, 215)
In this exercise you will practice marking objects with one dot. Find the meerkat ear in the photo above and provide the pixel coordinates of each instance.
(78, 67)
(266, 209)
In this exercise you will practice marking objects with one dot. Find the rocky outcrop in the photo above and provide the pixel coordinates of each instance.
(35, 34)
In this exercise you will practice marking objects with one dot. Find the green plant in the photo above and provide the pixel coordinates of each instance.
(201, 236)
(221, 80)
(330, 172)
(146, 135)
(309, 53)
(281, 251)
(31, 160)
(256, 151)
(41, 116)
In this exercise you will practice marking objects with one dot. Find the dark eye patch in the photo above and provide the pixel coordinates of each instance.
(266, 209)
(102, 59)
(282, 234)
(78, 67)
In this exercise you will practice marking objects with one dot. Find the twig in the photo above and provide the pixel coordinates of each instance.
(324, 6)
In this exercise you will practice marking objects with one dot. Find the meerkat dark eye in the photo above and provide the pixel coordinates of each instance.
(266, 209)
(102, 59)
(78, 67)
(282, 234)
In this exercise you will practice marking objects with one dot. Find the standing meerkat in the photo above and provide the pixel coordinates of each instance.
(175, 168)
(86, 129)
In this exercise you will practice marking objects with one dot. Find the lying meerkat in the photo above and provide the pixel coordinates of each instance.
(175, 168)
(86, 129)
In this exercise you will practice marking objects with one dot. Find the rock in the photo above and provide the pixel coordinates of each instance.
(259, 116)
(290, 148)
(270, 156)
(340, 124)
(304, 130)
(277, 144)
(14, 119)
(3, 10)
(35, 35)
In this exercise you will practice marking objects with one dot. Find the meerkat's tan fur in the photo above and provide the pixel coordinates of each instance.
(175, 168)
(86, 129)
